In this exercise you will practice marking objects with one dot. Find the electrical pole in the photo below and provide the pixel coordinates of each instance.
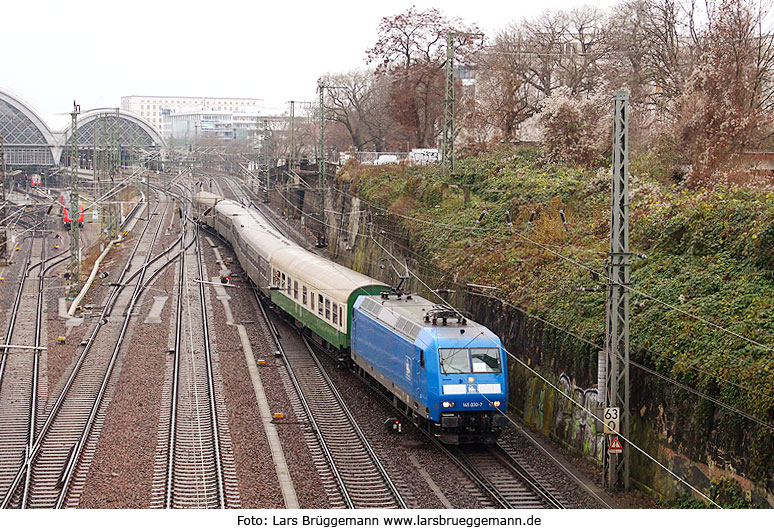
(266, 197)
(114, 162)
(75, 208)
(616, 456)
(4, 236)
(447, 141)
(321, 156)
(292, 134)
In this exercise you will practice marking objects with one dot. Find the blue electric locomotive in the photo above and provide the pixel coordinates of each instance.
(448, 373)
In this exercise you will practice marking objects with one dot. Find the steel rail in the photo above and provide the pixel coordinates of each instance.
(73, 374)
(210, 376)
(97, 403)
(35, 370)
(307, 409)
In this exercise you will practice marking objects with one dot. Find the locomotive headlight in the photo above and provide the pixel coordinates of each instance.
(495, 404)
(447, 404)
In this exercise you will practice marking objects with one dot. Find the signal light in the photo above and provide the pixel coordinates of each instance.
(225, 279)
(68, 275)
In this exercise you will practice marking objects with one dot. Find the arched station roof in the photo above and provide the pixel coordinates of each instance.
(27, 139)
(100, 124)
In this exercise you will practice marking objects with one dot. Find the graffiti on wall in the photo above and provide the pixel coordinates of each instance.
(575, 425)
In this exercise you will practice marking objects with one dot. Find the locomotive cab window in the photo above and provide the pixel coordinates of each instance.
(485, 359)
(454, 360)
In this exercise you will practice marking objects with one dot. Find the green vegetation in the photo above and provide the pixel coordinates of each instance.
(710, 256)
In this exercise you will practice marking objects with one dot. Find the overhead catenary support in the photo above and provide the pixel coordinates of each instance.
(267, 188)
(292, 133)
(615, 464)
(447, 140)
(3, 229)
(321, 155)
(75, 209)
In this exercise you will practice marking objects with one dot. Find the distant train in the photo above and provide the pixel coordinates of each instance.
(64, 201)
(35, 180)
(444, 371)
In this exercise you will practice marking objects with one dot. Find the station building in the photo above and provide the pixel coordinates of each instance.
(153, 108)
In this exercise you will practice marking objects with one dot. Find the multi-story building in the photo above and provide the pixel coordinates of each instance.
(193, 126)
(151, 108)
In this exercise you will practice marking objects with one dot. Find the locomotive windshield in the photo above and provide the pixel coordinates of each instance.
(484, 360)
(454, 360)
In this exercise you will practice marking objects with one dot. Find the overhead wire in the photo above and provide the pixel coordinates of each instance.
(633, 363)
(563, 393)
(549, 249)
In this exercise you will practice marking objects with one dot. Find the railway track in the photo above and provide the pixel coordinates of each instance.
(53, 472)
(495, 470)
(503, 478)
(359, 475)
(198, 469)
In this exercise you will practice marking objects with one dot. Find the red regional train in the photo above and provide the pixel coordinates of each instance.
(65, 202)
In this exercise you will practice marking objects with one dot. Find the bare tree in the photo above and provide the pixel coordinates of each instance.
(360, 101)
(411, 53)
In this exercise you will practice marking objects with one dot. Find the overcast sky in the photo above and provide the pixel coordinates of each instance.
(96, 52)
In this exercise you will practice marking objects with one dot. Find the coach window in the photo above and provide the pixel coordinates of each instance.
(295, 290)
(327, 309)
(341, 314)
(303, 294)
(335, 314)
(311, 300)
(288, 285)
(283, 281)
(319, 304)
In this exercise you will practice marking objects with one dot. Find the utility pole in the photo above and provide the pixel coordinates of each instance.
(266, 197)
(114, 163)
(616, 456)
(104, 218)
(321, 155)
(321, 87)
(447, 141)
(3, 229)
(75, 208)
(292, 134)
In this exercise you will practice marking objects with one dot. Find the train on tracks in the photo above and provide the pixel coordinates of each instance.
(446, 372)
(64, 201)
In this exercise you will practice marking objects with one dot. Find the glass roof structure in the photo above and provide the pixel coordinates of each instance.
(28, 141)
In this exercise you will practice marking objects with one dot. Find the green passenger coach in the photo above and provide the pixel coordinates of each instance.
(323, 301)
(318, 293)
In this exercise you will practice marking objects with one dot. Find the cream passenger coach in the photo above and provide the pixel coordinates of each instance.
(319, 293)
